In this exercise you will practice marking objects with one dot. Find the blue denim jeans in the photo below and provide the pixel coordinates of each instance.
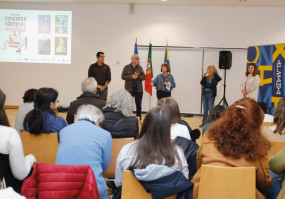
(275, 187)
(208, 103)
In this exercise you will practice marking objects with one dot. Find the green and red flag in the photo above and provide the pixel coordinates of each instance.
(149, 72)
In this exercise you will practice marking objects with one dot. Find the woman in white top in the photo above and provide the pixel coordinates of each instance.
(24, 109)
(16, 165)
(250, 82)
(177, 129)
(277, 131)
(152, 147)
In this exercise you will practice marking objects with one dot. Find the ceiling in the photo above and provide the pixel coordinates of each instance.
(242, 3)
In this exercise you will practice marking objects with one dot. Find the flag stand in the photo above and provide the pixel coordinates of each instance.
(149, 103)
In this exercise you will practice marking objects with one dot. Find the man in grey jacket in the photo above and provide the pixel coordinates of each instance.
(133, 75)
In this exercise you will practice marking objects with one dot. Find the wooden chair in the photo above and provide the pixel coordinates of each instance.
(43, 147)
(264, 124)
(117, 144)
(227, 182)
(275, 148)
(131, 188)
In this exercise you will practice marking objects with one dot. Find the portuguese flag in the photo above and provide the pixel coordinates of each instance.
(149, 75)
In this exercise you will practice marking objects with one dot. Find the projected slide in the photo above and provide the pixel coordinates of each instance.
(35, 36)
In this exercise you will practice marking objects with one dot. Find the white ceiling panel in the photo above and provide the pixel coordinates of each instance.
(242, 3)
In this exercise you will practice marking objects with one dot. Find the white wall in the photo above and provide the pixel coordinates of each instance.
(112, 29)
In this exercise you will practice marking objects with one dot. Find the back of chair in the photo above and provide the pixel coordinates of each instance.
(61, 182)
(43, 147)
(131, 188)
(227, 182)
(275, 148)
(264, 124)
(117, 144)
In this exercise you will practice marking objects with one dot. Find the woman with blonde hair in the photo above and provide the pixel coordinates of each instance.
(235, 140)
(209, 90)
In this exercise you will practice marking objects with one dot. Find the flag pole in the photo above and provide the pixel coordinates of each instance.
(149, 97)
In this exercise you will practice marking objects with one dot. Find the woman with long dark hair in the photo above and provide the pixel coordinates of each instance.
(152, 147)
(42, 118)
(16, 165)
(235, 140)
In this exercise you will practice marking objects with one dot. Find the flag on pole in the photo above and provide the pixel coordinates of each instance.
(136, 48)
(149, 75)
(166, 58)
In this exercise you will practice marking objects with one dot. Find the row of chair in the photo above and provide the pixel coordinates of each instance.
(215, 182)
(45, 146)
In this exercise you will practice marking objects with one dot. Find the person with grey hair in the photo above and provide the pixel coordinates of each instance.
(133, 75)
(119, 119)
(89, 96)
(85, 143)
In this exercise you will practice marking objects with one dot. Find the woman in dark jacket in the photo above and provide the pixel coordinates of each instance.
(119, 120)
(209, 90)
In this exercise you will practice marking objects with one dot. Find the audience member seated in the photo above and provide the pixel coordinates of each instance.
(235, 141)
(89, 96)
(176, 128)
(267, 117)
(277, 170)
(24, 109)
(119, 120)
(42, 118)
(153, 147)
(215, 114)
(16, 166)
(85, 143)
(277, 131)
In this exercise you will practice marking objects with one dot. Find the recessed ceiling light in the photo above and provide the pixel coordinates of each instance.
(163, 0)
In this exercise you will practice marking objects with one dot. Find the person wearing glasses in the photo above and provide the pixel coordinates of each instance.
(133, 75)
(42, 118)
(102, 74)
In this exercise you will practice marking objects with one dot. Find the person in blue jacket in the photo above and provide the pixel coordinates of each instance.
(86, 143)
(42, 118)
(164, 82)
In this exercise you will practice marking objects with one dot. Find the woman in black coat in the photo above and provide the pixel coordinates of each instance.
(119, 120)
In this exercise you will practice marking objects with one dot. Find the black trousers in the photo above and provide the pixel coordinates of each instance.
(161, 94)
(138, 99)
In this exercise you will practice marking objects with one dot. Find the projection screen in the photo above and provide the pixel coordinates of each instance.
(35, 36)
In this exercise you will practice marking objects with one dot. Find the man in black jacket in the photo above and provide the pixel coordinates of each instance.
(89, 88)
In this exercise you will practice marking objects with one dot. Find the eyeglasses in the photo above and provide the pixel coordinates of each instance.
(137, 58)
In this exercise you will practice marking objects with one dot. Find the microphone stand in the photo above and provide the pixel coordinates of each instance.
(224, 100)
